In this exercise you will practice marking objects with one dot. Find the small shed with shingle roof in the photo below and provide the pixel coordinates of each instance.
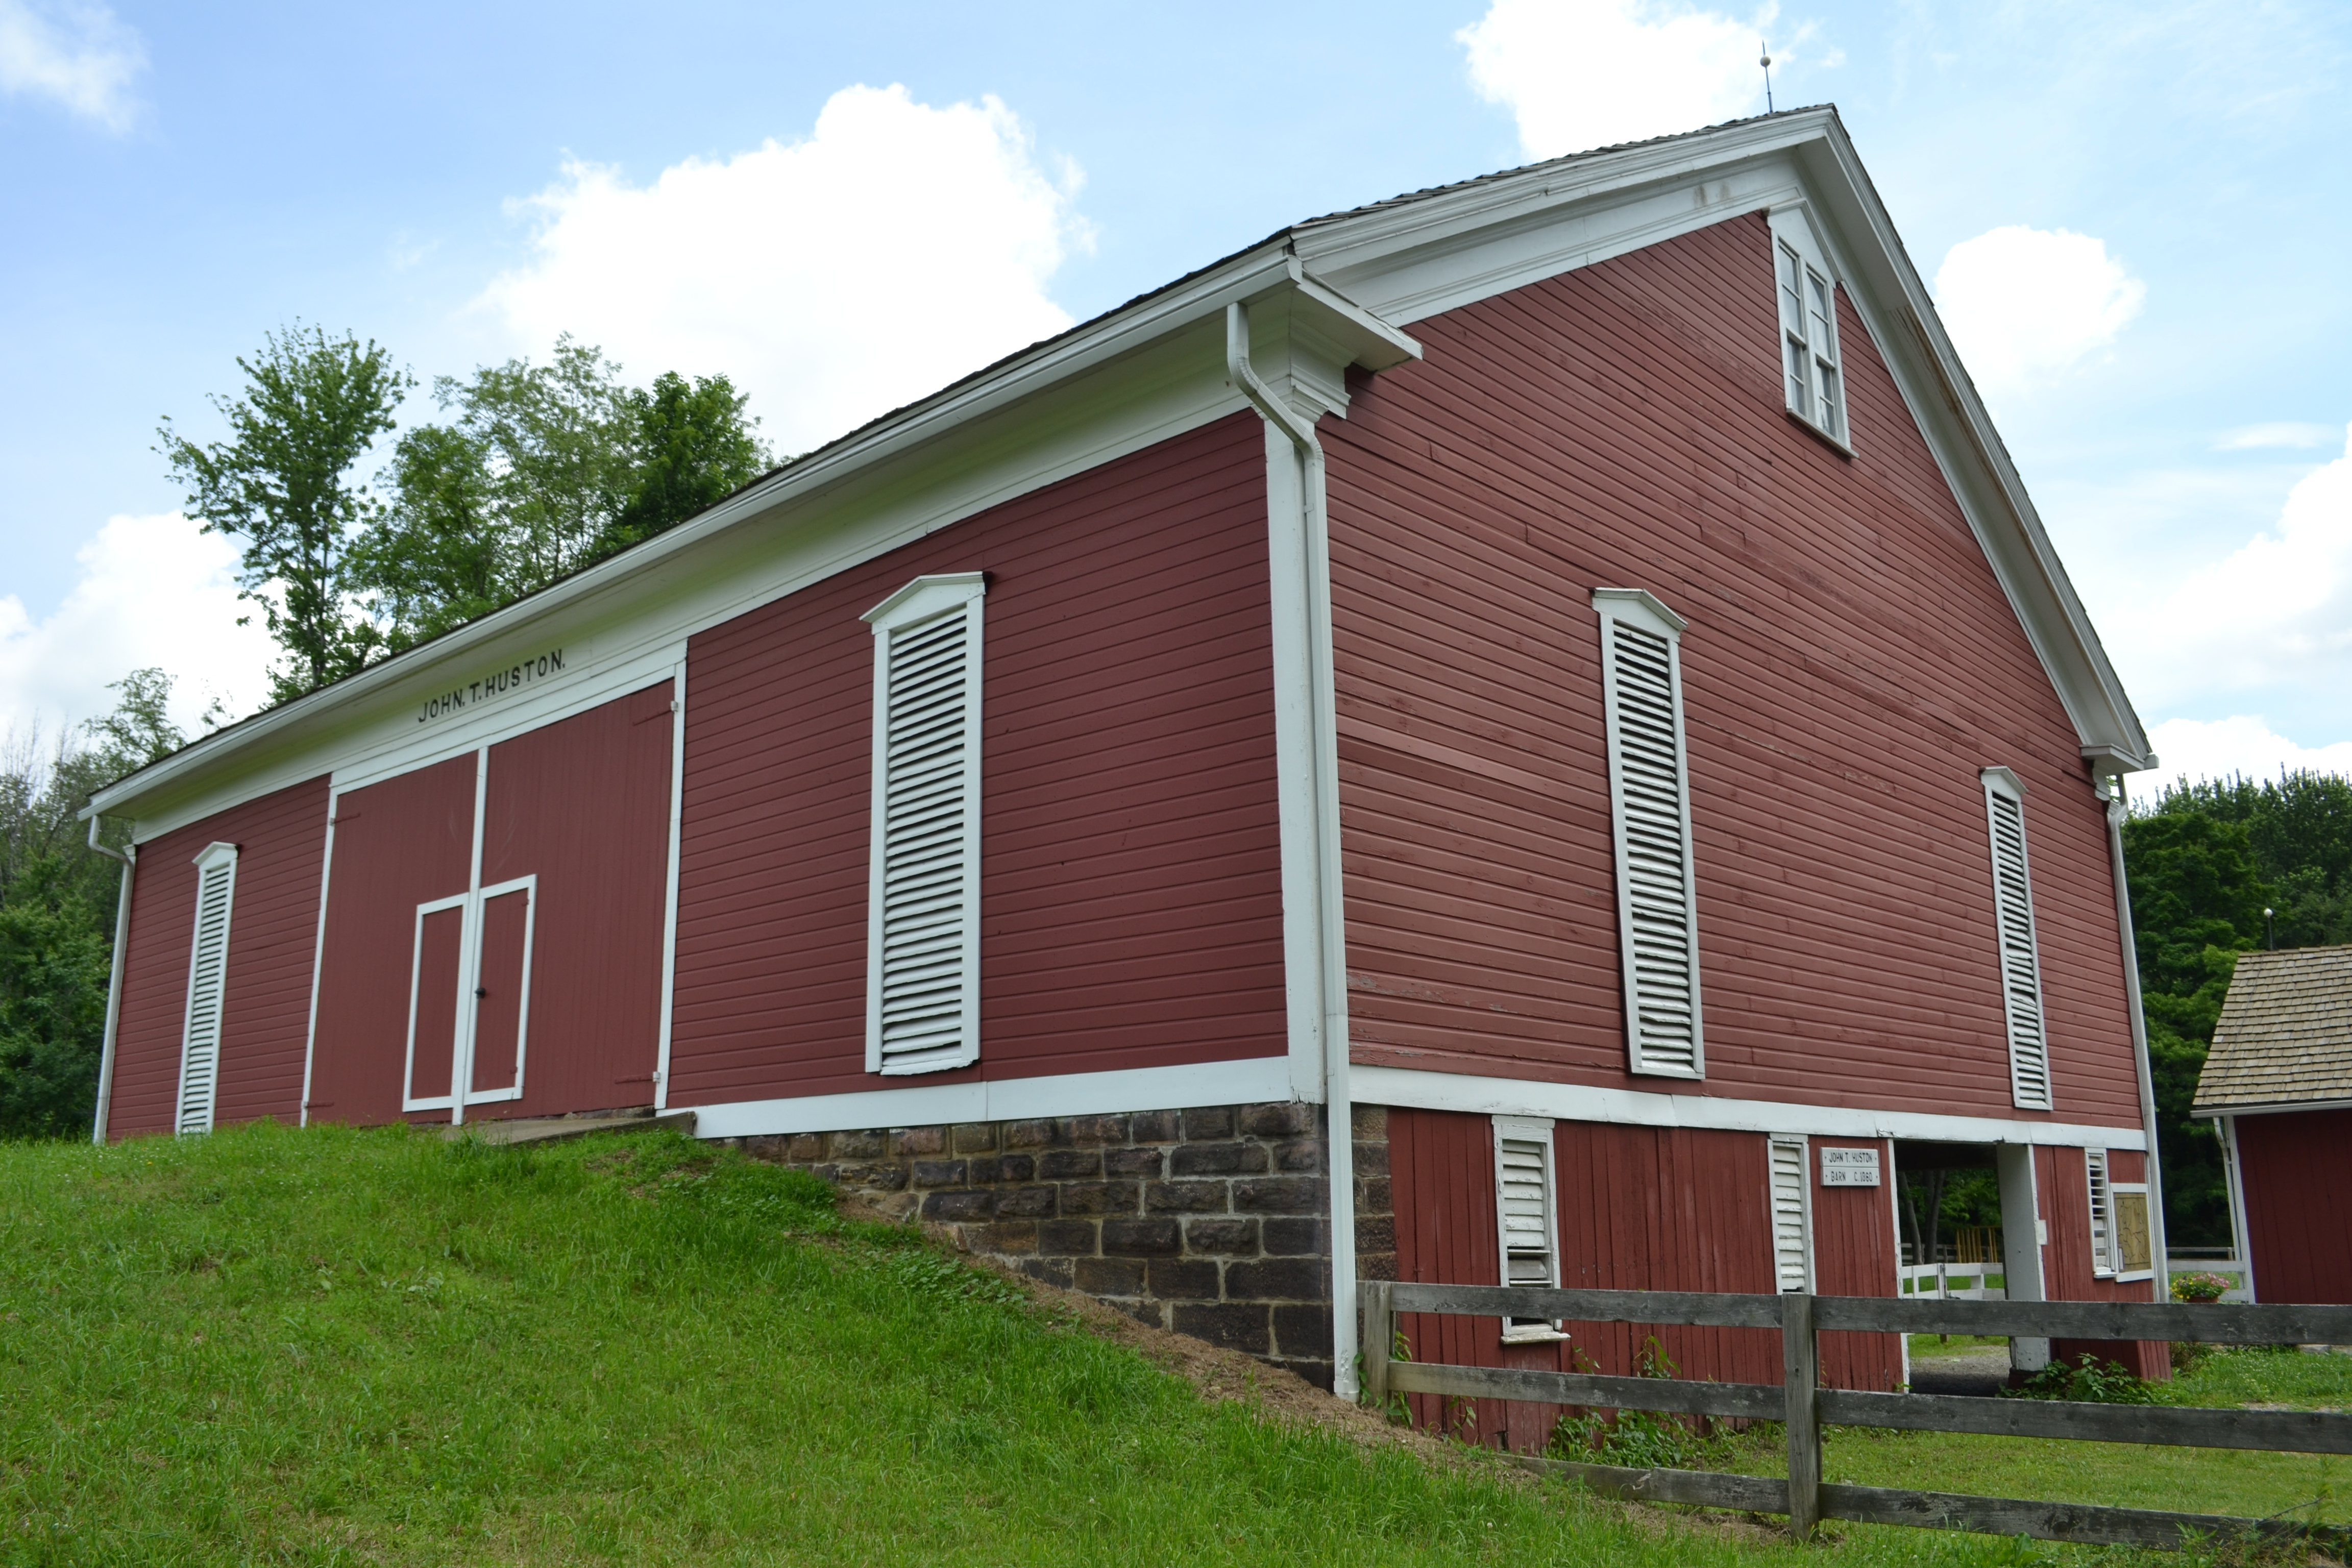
(2278, 1083)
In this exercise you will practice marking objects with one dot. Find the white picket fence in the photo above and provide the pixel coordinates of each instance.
(1950, 1281)
(2223, 1261)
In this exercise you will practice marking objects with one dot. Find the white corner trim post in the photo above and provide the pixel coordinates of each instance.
(1330, 922)
(2161, 1287)
(129, 859)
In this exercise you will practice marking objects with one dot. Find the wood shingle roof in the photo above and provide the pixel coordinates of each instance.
(2285, 1034)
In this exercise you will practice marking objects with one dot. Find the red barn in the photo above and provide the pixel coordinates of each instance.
(2278, 1084)
(1526, 731)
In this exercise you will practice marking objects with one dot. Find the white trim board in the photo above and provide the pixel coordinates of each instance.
(1249, 1081)
(2271, 1108)
(1581, 1102)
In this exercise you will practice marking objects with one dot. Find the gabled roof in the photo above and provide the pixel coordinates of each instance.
(1363, 274)
(2284, 1040)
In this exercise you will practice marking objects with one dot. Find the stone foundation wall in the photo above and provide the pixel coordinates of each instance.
(1212, 1221)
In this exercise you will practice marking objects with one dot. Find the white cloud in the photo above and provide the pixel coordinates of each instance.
(1580, 74)
(896, 248)
(2193, 749)
(2026, 304)
(152, 591)
(2288, 434)
(2276, 611)
(79, 56)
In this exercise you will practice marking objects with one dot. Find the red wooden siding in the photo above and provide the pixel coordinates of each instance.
(2297, 1170)
(584, 805)
(1851, 663)
(398, 844)
(265, 995)
(1130, 882)
(1640, 1208)
(1854, 1255)
(2062, 1178)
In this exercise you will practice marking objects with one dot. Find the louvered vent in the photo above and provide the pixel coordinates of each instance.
(1526, 1217)
(1657, 912)
(207, 975)
(2021, 966)
(1789, 1263)
(923, 987)
(2103, 1245)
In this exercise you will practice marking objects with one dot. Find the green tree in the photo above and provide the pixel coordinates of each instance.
(544, 469)
(56, 908)
(312, 408)
(694, 448)
(2197, 895)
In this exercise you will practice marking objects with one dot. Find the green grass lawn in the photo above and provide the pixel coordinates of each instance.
(327, 1346)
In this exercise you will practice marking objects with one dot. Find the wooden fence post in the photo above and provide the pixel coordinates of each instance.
(1800, 1378)
(1378, 1341)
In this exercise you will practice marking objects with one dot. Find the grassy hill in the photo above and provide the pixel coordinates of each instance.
(329, 1346)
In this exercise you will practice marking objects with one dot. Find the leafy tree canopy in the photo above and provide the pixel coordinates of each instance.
(57, 907)
(2205, 861)
(544, 469)
(281, 483)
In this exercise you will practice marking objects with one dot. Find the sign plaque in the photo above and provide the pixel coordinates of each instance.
(1849, 1167)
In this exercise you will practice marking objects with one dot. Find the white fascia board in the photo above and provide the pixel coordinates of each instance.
(1439, 253)
(1252, 1080)
(1637, 1107)
(1893, 302)
(1136, 377)
(2273, 1107)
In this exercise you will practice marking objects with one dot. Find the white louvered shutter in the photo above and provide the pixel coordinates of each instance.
(1527, 1210)
(1649, 788)
(2103, 1241)
(923, 966)
(208, 980)
(2020, 963)
(1791, 1249)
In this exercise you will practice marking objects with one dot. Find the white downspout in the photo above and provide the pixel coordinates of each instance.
(2161, 1285)
(113, 984)
(1331, 905)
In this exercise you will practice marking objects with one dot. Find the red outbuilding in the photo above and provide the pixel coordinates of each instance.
(2278, 1084)
(1529, 730)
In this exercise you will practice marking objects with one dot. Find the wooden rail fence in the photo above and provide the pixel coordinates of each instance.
(1806, 1406)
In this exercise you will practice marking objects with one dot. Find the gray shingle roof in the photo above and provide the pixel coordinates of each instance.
(2285, 1034)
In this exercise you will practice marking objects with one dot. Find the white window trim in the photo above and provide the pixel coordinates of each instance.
(1638, 608)
(409, 1098)
(1539, 1132)
(1803, 1147)
(1792, 232)
(466, 1018)
(527, 885)
(2098, 1178)
(2001, 785)
(214, 856)
(926, 598)
(2122, 1276)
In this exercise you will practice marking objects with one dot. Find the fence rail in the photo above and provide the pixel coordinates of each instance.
(1805, 1407)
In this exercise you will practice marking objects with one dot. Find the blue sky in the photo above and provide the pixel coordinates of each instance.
(2136, 213)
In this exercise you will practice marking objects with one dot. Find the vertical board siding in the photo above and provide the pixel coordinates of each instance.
(1640, 1208)
(273, 934)
(1851, 663)
(1854, 1255)
(583, 804)
(398, 844)
(2063, 1180)
(2297, 1170)
(1130, 897)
